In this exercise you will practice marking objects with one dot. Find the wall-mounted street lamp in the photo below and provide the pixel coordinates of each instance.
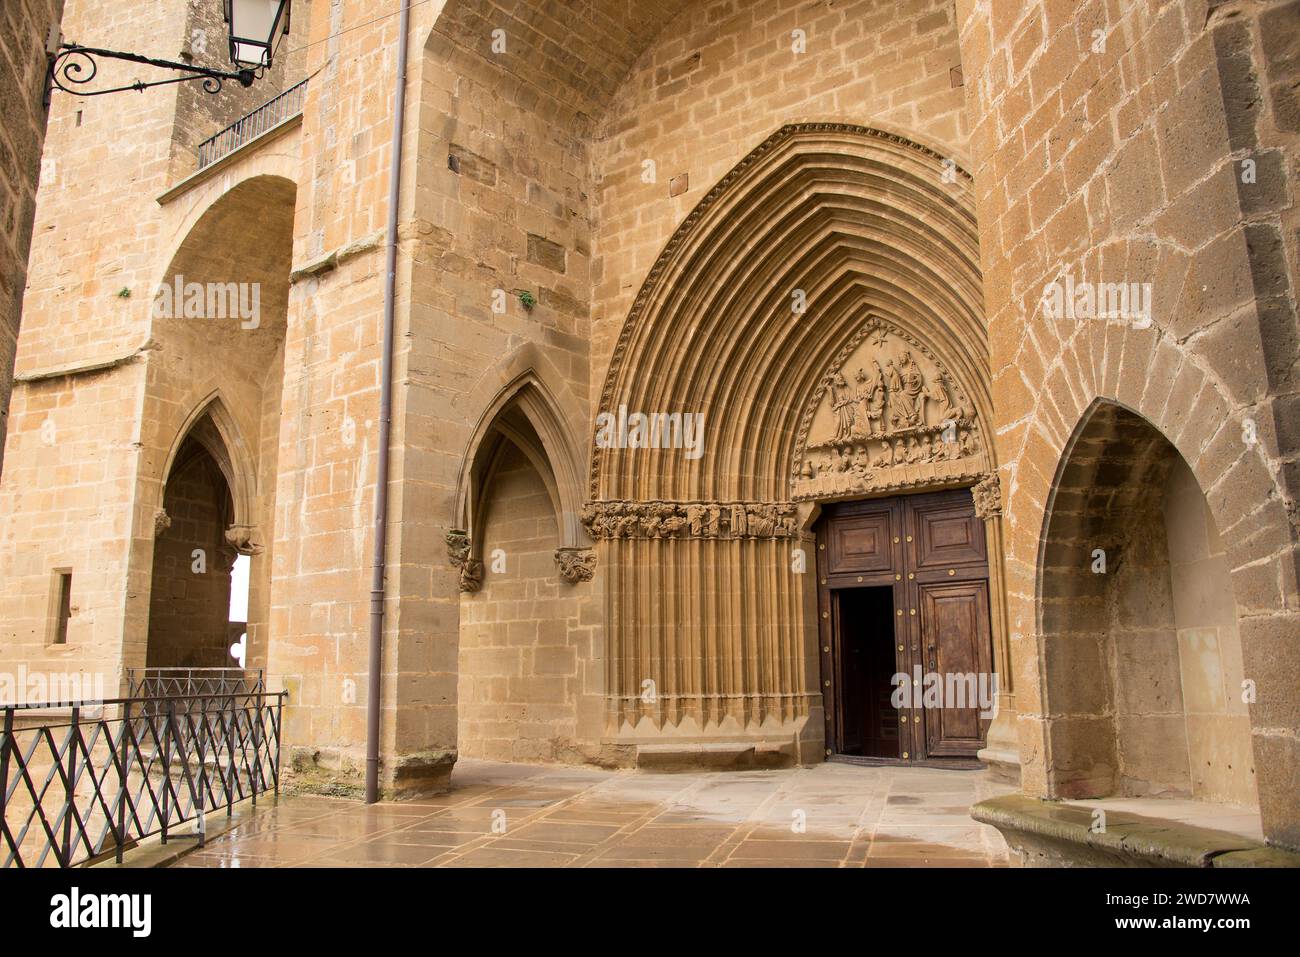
(255, 26)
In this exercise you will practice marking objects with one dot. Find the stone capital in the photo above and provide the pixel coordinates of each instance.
(988, 497)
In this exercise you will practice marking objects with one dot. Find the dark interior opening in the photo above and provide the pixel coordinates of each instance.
(868, 721)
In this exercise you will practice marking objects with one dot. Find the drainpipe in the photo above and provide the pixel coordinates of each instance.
(385, 422)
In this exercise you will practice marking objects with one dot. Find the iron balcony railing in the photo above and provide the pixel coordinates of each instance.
(83, 780)
(188, 682)
(250, 126)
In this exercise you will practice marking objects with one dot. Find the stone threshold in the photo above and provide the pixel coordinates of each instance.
(1051, 834)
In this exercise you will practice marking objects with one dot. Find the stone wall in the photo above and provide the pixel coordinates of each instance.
(1146, 143)
(521, 659)
(102, 394)
(1220, 758)
(23, 28)
(723, 76)
(557, 151)
(199, 114)
(524, 155)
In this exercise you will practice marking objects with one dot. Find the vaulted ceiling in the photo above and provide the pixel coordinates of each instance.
(578, 51)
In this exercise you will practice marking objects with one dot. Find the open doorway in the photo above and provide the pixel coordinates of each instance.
(190, 596)
(905, 592)
(867, 660)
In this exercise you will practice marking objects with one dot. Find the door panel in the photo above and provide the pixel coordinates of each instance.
(945, 534)
(955, 637)
(862, 543)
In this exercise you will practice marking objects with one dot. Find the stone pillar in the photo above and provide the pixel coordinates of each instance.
(1001, 752)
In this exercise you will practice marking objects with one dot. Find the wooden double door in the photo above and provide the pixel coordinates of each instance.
(904, 591)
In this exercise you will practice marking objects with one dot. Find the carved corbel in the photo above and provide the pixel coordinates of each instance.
(471, 575)
(576, 564)
(245, 539)
(227, 556)
(161, 522)
(459, 548)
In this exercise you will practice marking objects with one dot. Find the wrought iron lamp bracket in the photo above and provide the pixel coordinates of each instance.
(72, 66)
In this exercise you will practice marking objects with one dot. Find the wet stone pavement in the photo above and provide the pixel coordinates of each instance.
(510, 815)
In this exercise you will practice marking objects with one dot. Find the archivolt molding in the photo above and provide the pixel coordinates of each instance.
(863, 221)
(873, 234)
(527, 382)
(529, 414)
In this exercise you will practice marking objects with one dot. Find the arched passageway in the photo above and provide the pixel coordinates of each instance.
(189, 604)
(1144, 688)
(215, 382)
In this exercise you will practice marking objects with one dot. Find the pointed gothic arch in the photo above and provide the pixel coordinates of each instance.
(527, 414)
(212, 426)
(831, 250)
(852, 225)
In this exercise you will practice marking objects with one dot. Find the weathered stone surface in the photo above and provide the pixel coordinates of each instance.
(1045, 834)
(678, 208)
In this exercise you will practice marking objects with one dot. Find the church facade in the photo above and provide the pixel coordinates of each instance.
(885, 381)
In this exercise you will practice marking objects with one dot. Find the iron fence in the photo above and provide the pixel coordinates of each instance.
(252, 125)
(189, 682)
(83, 780)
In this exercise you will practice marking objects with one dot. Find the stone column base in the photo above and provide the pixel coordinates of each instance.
(786, 745)
(342, 773)
(421, 774)
(1001, 751)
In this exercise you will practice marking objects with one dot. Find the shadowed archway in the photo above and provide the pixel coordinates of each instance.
(525, 662)
(1144, 692)
(193, 556)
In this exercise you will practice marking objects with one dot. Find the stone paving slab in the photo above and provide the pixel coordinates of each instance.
(500, 815)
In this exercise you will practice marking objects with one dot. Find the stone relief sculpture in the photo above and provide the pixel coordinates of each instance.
(244, 539)
(457, 546)
(576, 564)
(904, 422)
(988, 497)
(672, 520)
(458, 554)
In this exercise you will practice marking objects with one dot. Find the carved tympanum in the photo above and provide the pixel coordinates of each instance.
(887, 415)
